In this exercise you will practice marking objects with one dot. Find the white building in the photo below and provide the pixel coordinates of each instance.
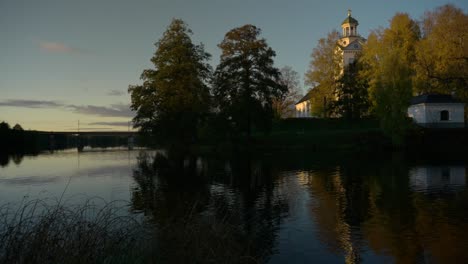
(437, 110)
(304, 107)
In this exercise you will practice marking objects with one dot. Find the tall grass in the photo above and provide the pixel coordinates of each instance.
(43, 232)
(38, 232)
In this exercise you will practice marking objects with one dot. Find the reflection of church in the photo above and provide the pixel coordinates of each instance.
(348, 46)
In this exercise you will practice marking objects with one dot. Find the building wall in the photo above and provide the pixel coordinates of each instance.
(303, 109)
(418, 113)
(429, 114)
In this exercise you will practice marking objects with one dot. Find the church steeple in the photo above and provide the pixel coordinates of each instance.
(349, 26)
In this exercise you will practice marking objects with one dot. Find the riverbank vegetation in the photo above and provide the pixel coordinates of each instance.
(406, 58)
(182, 99)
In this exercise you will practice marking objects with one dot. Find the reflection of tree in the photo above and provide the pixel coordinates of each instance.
(260, 205)
(17, 158)
(4, 160)
(235, 218)
(442, 226)
(372, 201)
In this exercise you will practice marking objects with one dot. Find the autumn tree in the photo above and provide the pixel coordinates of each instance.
(246, 81)
(442, 54)
(388, 58)
(284, 104)
(174, 95)
(352, 100)
(323, 70)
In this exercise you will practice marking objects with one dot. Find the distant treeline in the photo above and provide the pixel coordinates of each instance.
(16, 140)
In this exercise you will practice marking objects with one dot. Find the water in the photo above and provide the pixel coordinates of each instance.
(283, 207)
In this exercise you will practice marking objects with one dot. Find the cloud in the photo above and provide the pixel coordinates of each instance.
(57, 47)
(115, 110)
(116, 93)
(118, 124)
(31, 103)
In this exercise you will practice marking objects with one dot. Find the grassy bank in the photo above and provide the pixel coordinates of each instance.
(311, 134)
(39, 231)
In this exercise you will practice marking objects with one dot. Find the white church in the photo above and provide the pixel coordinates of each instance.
(348, 46)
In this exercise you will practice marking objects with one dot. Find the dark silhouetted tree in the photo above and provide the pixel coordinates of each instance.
(174, 97)
(246, 82)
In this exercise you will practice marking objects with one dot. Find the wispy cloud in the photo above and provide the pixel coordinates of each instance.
(31, 103)
(57, 47)
(115, 110)
(116, 93)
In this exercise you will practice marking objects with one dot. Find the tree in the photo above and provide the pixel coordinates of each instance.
(442, 54)
(174, 97)
(284, 104)
(388, 58)
(245, 81)
(323, 70)
(4, 126)
(352, 101)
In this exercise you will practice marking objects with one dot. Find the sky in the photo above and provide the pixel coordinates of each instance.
(64, 62)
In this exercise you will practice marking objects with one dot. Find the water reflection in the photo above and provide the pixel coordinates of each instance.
(233, 216)
(269, 207)
(362, 206)
(5, 159)
(438, 178)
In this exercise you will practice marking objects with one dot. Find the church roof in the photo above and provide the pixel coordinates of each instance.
(350, 20)
(434, 99)
(308, 95)
(305, 97)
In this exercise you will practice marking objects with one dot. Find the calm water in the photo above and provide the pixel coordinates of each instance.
(289, 207)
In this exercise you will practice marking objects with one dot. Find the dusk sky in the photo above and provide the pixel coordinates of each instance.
(63, 61)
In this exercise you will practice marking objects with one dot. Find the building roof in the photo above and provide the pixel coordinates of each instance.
(309, 94)
(305, 97)
(434, 99)
(350, 20)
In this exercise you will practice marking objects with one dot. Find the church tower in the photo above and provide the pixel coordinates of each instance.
(350, 43)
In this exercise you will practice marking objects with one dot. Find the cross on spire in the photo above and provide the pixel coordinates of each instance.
(349, 12)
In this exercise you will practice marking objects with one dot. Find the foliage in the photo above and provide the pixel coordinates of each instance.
(442, 54)
(388, 58)
(174, 97)
(43, 232)
(284, 104)
(323, 69)
(245, 81)
(351, 92)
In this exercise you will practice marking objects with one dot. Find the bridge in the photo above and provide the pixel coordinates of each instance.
(91, 133)
(80, 139)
